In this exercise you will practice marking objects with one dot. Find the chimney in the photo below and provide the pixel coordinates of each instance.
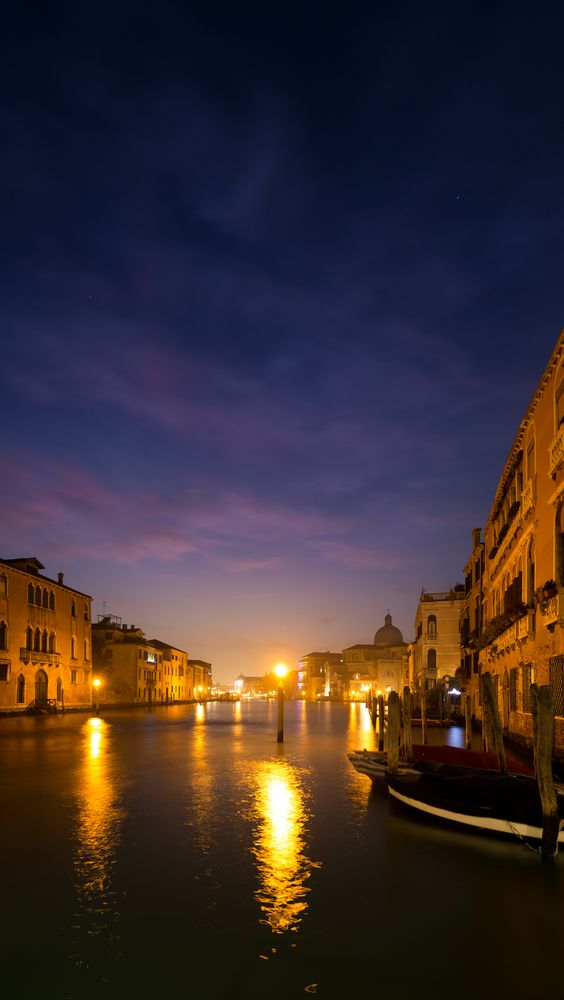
(61, 577)
(475, 537)
(124, 627)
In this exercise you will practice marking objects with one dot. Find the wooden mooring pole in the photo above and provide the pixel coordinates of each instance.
(544, 739)
(380, 722)
(491, 701)
(407, 740)
(468, 719)
(393, 731)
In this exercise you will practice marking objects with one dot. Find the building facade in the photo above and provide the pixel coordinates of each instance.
(177, 677)
(45, 640)
(435, 654)
(129, 668)
(314, 672)
(522, 637)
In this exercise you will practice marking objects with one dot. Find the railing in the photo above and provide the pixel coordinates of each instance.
(550, 610)
(506, 638)
(432, 637)
(556, 451)
(448, 595)
(523, 627)
(528, 497)
(36, 656)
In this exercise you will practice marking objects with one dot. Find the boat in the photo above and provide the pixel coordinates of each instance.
(426, 757)
(464, 787)
(483, 799)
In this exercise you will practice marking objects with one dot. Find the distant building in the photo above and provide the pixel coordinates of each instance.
(177, 675)
(314, 670)
(129, 667)
(378, 666)
(201, 673)
(45, 639)
(436, 647)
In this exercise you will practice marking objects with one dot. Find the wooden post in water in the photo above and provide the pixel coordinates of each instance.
(535, 715)
(380, 722)
(550, 817)
(468, 719)
(491, 700)
(393, 731)
(486, 727)
(407, 740)
(423, 716)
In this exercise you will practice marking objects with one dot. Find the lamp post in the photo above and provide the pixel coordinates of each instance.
(280, 672)
(96, 685)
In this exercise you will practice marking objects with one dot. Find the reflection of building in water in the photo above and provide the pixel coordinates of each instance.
(97, 834)
(279, 846)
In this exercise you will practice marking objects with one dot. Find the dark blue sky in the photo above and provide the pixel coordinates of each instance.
(277, 286)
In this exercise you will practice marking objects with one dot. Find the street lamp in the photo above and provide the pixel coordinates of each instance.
(280, 672)
(96, 684)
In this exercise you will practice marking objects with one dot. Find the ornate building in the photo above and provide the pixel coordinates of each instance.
(436, 648)
(523, 584)
(45, 639)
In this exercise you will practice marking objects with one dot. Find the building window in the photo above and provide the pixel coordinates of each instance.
(30, 594)
(73, 609)
(45, 598)
(52, 643)
(37, 640)
(4, 671)
(44, 641)
(20, 690)
(513, 690)
(86, 650)
(3, 585)
(432, 625)
(87, 676)
(38, 596)
(29, 639)
(73, 648)
(3, 635)
(51, 601)
(559, 400)
(526, 687)
(432, 663)
(74, 674)
(85, 612)
(556, 667)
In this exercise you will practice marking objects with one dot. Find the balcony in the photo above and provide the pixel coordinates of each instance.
(556, 451)
(528, 497)
(551, 611)
(432, 637)
(35, 656)
(525, 626)
(507, 638)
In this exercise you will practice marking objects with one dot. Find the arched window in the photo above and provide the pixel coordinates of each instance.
(29, 638)
(3, 585)
(37, 640)
(432, 663)
(44, 641)
(431, 625)
(85, 612)
(52, 643)
(51, 601)
(73, 609)
(38, 596)
(73, 648)
(45, 598)
(30, 594)
(3, 635)
(559, 399)
(20, 690)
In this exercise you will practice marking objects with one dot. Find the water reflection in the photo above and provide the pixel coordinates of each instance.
(279, 846)
(200, 798)
(96, 839)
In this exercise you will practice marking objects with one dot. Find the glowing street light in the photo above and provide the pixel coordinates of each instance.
(280, 670)
(96, 685)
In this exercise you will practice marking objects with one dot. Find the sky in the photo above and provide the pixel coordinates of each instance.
(278, 283)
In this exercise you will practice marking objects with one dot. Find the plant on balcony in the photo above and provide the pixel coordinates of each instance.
(544, 594)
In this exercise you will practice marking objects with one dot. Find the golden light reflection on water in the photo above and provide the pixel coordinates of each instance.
(279, 846)
(97, 834)
(360, 735)
(200, 787)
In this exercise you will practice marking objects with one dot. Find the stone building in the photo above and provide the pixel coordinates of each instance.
(314, 670)
(177, 675)
(523, 585)
(201, 673)
(436, 648)
(129, 668)
(45, 639)
(377, 666)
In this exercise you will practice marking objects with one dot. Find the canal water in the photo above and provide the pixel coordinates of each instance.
(181, 852)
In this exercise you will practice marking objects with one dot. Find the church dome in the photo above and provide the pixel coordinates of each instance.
(388, 634)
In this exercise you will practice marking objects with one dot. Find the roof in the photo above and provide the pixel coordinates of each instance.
(19, 566)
